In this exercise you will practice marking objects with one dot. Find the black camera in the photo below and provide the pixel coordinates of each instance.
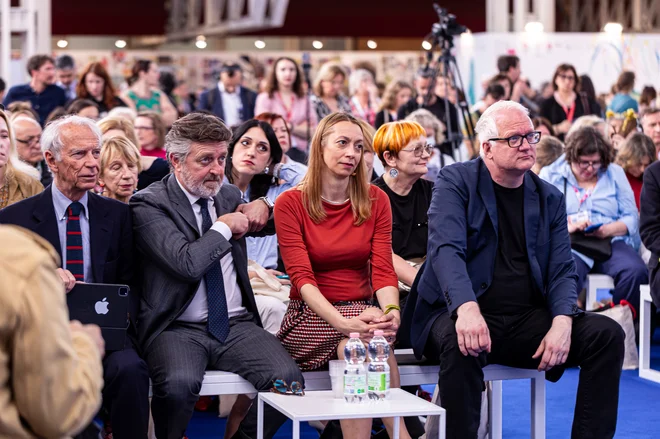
(447, 27)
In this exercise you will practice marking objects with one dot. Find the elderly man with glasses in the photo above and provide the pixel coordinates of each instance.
(28, 146)
(498, 285)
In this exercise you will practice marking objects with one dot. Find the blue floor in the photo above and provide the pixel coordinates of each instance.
(639, 409)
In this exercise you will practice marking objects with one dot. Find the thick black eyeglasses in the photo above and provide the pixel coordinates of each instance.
(516, 140)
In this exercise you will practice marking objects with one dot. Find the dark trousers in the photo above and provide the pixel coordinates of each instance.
(625, 266)
(126, 393)
(178, 357)
(596, 347)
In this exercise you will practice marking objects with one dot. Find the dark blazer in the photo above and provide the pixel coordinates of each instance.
(211, 100)
(175, 256)
(649, 225)
(110, 228)
(462, 247)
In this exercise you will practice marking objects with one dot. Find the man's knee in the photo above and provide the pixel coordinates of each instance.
(610, 335)
(126, 368)
(283, 368)
(178, 386)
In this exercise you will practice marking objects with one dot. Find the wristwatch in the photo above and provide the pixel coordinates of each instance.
(268, 203)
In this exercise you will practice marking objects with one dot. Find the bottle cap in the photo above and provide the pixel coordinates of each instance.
(354, 335)
(378, 332)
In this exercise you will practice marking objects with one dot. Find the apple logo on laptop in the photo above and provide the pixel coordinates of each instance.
(101, 307)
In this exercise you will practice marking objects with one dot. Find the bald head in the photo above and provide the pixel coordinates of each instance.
(27, 132)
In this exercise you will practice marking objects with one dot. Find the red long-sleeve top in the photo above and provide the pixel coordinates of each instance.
(344, 261)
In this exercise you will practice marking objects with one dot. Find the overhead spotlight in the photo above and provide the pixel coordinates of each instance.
(371, 44)
(534, 27)
(613, 28)
(120, 44)
(62, 44)
(201, 44)
(316, 44)
(427, 46)
(260, 44)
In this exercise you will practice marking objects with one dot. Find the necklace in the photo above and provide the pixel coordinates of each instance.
(334, 202)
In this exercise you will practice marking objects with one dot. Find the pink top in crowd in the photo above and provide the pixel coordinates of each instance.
(294, 112)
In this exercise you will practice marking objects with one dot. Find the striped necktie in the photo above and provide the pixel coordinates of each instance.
(74, 243)
(218, 319)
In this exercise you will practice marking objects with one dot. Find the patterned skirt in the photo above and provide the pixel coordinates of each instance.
(309, 339)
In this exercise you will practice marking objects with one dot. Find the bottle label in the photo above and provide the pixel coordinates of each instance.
(379, 381)
(355, 384)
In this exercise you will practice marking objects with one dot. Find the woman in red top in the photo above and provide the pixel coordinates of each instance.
(335, 235)
(636, 154)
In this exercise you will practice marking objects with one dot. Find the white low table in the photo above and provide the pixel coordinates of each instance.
(322, 406)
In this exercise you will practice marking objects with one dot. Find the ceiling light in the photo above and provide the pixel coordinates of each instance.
(260, 44)
(62, 44)
(371, 44)
(120, 44)
(316, 44)
(427, 46)
(534, 27)
(201, 44)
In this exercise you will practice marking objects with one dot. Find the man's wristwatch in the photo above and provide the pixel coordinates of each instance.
(268, 203)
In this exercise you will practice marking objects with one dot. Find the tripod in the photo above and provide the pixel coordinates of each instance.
(447, 67)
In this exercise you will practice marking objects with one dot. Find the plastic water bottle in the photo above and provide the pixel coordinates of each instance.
(378, 371)
(355, 374)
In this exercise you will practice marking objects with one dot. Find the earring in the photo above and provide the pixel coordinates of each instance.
(394, 173)
(266, 170)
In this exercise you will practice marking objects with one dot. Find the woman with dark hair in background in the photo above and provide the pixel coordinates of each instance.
(622, 100)
(567, 103)
(395, 96)
(143, 93)
(85, 108)
(587, 86)
(284, 94)
(647, 98)
(544, 126)
(294, 156)
(95, 84)
(597, 193)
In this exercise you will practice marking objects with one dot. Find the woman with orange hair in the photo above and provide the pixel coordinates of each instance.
(334, 231)
(403, 149)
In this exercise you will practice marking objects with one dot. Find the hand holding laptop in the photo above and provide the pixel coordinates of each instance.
(67, 279)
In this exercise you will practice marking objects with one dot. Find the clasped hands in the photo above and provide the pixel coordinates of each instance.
(474, 337)
(249, 217)
(369, 321)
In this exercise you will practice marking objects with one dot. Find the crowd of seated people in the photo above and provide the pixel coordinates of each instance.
(255, 248)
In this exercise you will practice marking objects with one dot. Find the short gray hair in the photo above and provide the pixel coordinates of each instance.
(196, 127)
(51, 139)
(356, 79)
(486, 127)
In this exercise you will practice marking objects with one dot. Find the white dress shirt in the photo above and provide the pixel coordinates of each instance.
(198, 309)
(232, 105)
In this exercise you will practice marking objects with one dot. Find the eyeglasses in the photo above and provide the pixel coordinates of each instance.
(419, 150)
(139, 128)
(29, 141)
(516, 140)
(567, 77)
(282, 388)
(584, 165)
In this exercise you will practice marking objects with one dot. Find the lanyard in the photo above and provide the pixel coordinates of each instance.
(570, 112)
(583, 198)
(289, 111)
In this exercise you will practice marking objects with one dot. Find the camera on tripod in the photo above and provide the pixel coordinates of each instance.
(446, 28)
